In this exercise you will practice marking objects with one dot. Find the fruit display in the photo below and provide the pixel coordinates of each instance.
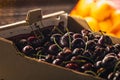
(100, 14)
(81, 51)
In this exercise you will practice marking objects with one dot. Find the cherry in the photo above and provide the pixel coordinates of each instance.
(49, 58)
(90, 36)
(69, 33)
(78, 43)
(33, 41)
(97, 36)
(72, 66)
(57, 62)
(61, 55)
(53, 49)
(87, 53)
(56, 37)
(42, 50)
(85, 32)
(99, 53)
(77, 35)
(28, 50)
(67, 50)
(111, 49)
(105, 40)
(118, 55)
(109, 61)
(117, 46)
(91, 45)
(78, 51)
(22, 43)
(66, 54)
(117, 76)
(87, 66)
(111, 76)
(98, 64)
(74, 58)
(111, 54)
(64, 41)
(46, 32)
(47, 44)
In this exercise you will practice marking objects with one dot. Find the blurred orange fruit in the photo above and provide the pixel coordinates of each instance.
(82, 8)
(92, 23)
(105, 25)
(116, 30)
(101, 10)
(116, 17)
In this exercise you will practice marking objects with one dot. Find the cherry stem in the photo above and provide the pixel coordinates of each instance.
(89, 59)
(99, 72)
(21, 54)
(56, 28)
(59, 30)
(86, 44)
(39, 54)
(88, 71)
(57, 44)
(116, 66)
(102, 32)
(75, 61)
(70, 46)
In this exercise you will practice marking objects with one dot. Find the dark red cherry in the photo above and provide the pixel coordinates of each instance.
(105, 40)
(66, 54)
(85, 32)
(69, 34)
(49, 58)
(28, 50)
(118, 55)
(65, 40)
(78, 43)
(117, 75)
(117, 46)
(78, 51)
(91, 45)
(53, 49)
(87, 53)
(33, 41)
(74, 58)
(109, 61)
(72, 66)
(111, 76)
(22, 43)
(98, 64)
(87, 66)
(56, 37)
(41, 50)
(99, 53)
(77, 35)
(47, 44)
(57, 61)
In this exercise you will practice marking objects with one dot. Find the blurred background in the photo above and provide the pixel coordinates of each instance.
(16, 10)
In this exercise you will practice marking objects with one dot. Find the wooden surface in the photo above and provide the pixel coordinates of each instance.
(16, 11)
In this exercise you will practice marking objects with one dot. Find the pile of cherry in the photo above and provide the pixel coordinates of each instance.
(83, 51)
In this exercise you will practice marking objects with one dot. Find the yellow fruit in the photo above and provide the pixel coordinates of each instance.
(116, 30)
(83, 7)
(105, 25)
(92, 23)
(101, 10)
(116, 17)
